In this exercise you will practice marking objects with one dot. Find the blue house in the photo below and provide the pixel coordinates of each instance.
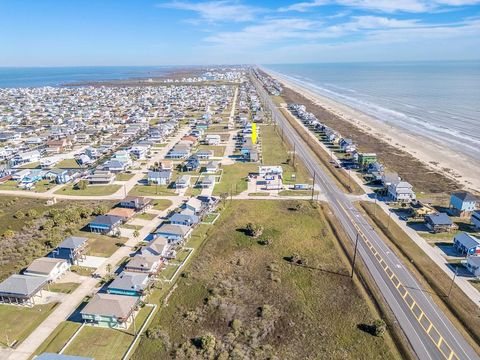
(72, 249)
(462, 203)
(60, 176)
(130, 284)
(192, 164)
(467, 244)
(105, 224)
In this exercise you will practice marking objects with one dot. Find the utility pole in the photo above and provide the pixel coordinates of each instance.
(313, 184)
(453, 281)
(294, 155)
(354, 256)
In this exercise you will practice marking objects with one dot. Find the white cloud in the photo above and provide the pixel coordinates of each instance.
(269, 31)
(387, 6)
(216, 11)
(304, 6)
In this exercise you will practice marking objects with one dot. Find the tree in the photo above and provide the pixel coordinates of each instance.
(379, 327)
(19, 215)
(224, 197)
(32, 213)
(136, 233)
(82, 184)
(254, 230)
(8, 234)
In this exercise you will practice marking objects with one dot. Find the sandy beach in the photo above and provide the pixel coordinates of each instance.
(461, 168)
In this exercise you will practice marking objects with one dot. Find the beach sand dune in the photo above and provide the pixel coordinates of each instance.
(429, 166)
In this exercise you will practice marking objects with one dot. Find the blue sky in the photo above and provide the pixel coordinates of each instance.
(145, 32)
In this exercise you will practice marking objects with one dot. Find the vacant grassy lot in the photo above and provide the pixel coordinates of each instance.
(100, 343)
(161, 204)
(58, 338)
(18, 322)
(41, 186)
(101, 245)
(103, 343)
(274, 152)
(297, 193)
(97, 190)
(124, 176)
(68, 164)
(66, 287)
(432, 277)
(234, 178)
(218, 151)
(153, 190)
(146, 216)
(251, 303)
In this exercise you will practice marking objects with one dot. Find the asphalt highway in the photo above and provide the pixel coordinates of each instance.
(430, 333)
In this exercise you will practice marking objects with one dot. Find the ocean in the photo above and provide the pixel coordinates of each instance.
(54, 76)
(437, 100)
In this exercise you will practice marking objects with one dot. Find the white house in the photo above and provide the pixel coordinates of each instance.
(213, 139)
(270, 170)
(401, 191)
(51, 268)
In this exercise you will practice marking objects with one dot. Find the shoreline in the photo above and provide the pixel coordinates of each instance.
(458, 167)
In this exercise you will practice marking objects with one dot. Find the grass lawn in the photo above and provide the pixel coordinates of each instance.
(97, 190)
(68, 164)
(58, 338)
(124, 176)
(431, 277)
(168, 271)
(9, 185)
(259, 194)
(297, 193)
(101, 245)
(18, 322)
(234, 178)
(153, 190)
(193, 191)
(299, 310)
(131, 227)
(161, 204)
(146, 216)
(66, 287)
(103, 343)
(33, 165)
(41, 186)
(159, 145)
(100, 343)
(209, 218)
(218, 151)
(82, 270)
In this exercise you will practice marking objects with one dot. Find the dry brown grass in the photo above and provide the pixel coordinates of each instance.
(256, 304)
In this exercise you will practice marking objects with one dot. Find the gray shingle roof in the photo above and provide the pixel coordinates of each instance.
(129, 281)
(73, 242)
(110, 305)
(22, 285)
